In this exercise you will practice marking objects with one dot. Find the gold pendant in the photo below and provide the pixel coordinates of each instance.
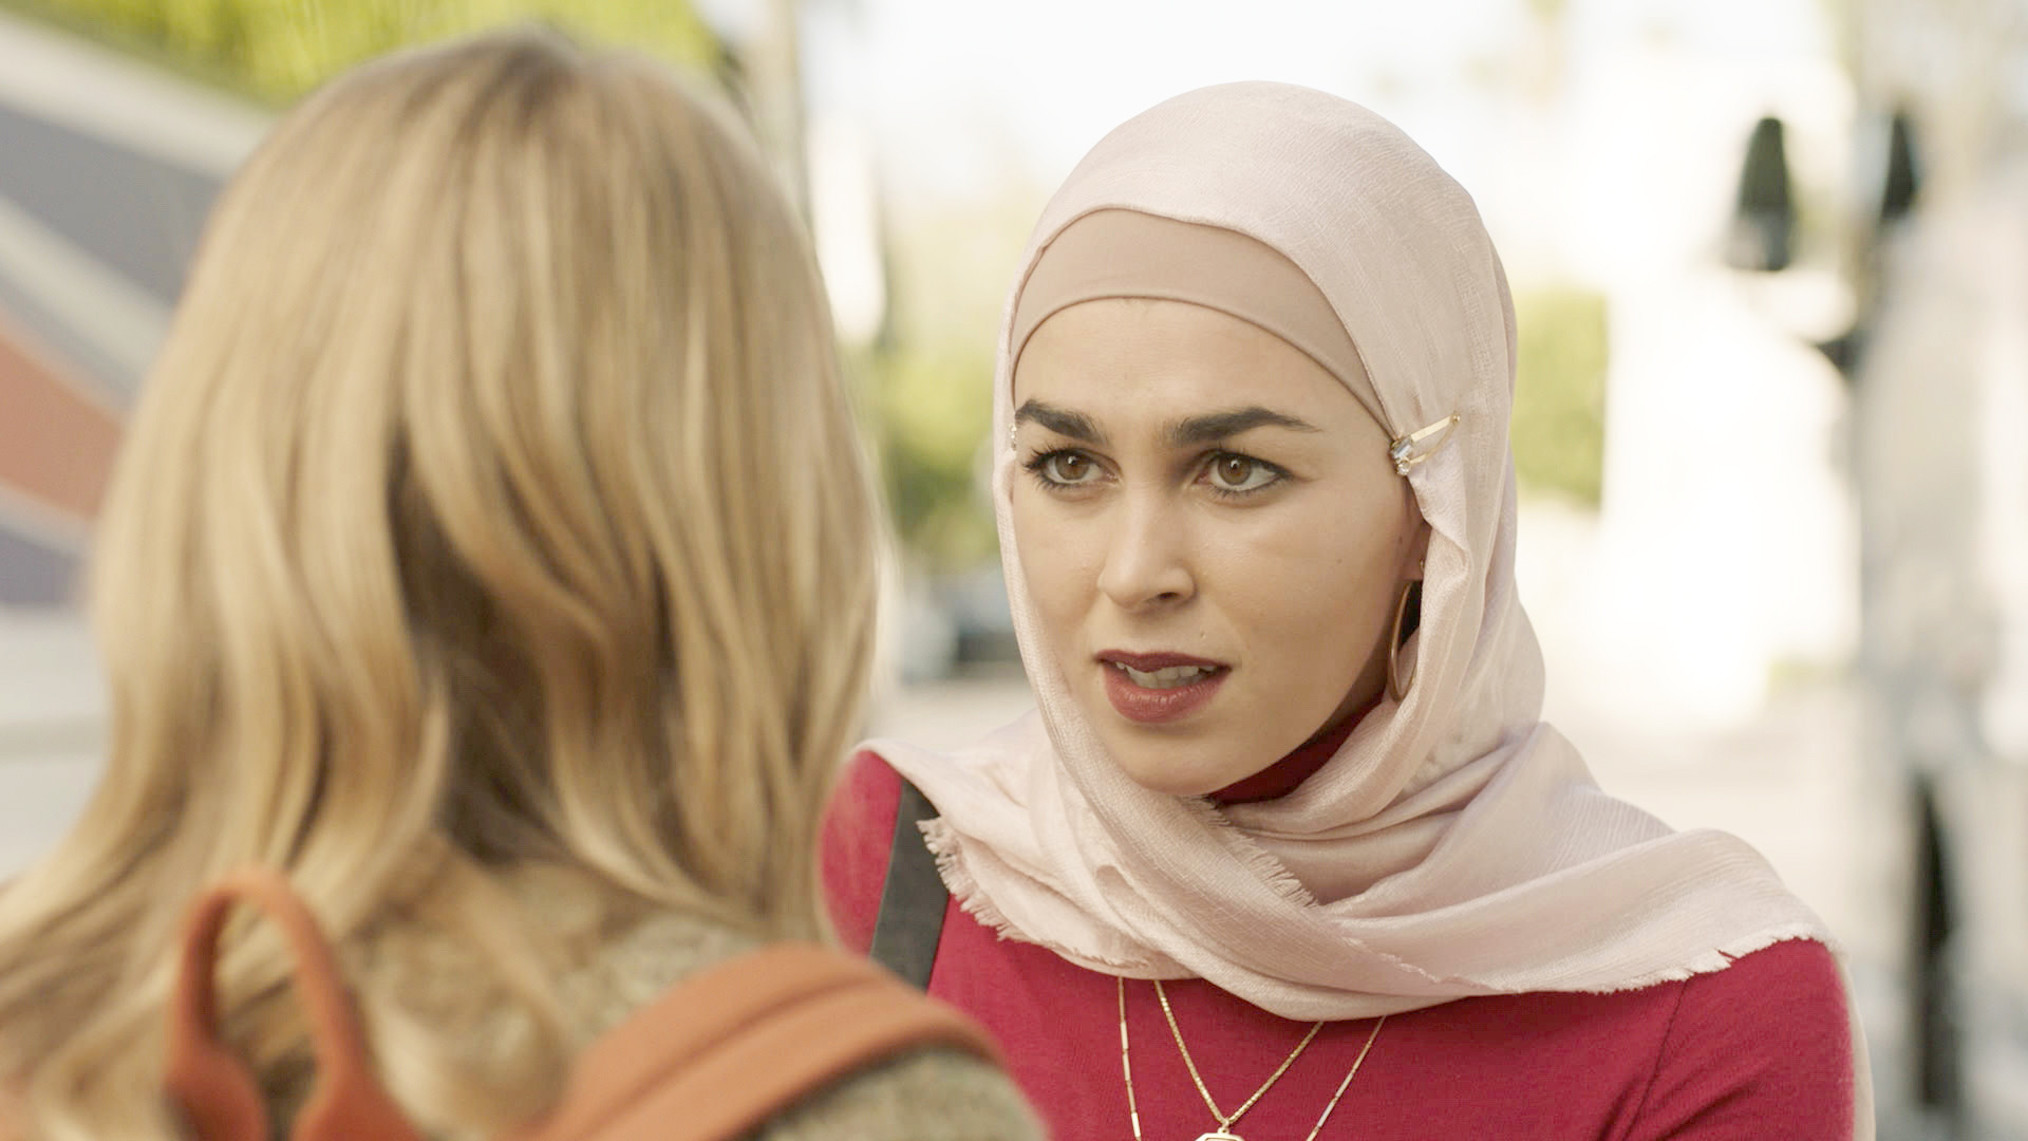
(1219, 1135)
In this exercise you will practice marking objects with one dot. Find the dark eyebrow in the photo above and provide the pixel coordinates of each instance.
(1062, 421)
(1220, 425)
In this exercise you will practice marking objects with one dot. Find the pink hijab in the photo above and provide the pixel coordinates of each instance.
(1456, 844)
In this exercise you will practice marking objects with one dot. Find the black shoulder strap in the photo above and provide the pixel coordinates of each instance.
(912, 899)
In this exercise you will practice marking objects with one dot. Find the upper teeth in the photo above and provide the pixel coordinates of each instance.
(1167, 678)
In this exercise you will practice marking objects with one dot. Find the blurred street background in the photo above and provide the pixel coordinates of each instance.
(1770, 259)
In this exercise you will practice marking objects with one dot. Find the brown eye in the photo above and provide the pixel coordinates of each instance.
(1068, 467)
(1236, 473)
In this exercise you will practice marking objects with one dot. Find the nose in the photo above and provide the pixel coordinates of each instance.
(1147, 559)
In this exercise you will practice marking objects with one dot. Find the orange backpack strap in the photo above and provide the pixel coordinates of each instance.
(710, 1060)
(214, 1088)
(733, 1045)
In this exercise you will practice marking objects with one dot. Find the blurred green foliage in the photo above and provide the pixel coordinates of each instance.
(275, 50)
(926, 383)
(933, 407)
(1558, 429)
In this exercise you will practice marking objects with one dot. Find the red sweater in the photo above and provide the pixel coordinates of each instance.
(1759, 1050)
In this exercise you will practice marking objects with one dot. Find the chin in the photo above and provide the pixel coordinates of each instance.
(1158, 770)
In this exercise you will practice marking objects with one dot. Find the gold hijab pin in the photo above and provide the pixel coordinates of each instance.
(1420, 444)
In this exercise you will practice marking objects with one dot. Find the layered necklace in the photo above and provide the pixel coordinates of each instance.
(1224, 1131)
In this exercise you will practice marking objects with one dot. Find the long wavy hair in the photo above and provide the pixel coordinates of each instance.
(493, 510)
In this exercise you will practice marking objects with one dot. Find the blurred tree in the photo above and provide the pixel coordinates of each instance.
(926, 381)
(275, 50)
(1558, 430)
(933, 409)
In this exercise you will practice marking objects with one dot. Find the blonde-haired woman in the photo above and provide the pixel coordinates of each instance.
(492, 552)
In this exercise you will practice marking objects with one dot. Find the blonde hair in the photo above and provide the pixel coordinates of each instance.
(493, 505)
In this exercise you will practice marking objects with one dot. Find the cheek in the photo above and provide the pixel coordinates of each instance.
(1053, 560)
(1314, 596)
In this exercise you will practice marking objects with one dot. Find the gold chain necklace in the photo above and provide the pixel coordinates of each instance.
(1224, 1131)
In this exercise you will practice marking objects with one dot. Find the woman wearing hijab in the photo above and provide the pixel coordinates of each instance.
(1286, 850)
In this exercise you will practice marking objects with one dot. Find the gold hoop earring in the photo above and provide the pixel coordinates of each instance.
(1397, 686)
